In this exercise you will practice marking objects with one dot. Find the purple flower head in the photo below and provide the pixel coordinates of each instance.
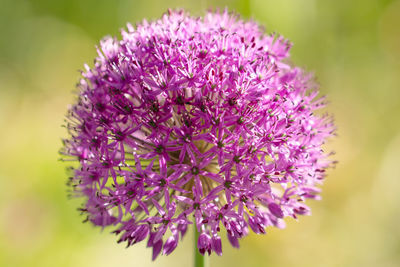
(195, 121)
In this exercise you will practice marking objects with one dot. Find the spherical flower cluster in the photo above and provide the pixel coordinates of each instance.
(197, 121)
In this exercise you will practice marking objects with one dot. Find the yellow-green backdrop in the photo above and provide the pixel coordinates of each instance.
(353, 47)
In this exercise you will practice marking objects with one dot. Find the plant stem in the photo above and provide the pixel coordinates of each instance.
(199, 260)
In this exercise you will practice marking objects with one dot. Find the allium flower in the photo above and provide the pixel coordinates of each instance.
(195, 121)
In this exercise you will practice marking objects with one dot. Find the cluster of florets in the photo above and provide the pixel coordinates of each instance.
(195, 121)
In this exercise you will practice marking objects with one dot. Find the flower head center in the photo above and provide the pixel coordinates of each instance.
(195, 170)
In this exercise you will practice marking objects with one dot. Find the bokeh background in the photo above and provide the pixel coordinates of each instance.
(353, 47)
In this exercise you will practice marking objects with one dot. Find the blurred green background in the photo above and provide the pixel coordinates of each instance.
(352, 46)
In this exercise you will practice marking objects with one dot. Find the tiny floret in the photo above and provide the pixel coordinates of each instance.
(195, 121)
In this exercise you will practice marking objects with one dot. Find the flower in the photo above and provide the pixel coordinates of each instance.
(195, 121)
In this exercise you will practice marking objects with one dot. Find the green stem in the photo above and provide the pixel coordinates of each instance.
(199, 260)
